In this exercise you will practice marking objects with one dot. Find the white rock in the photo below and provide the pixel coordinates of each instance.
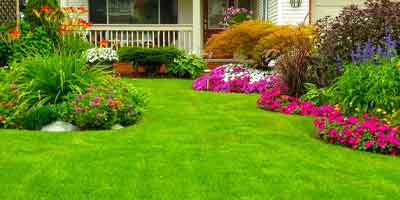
(117, 126)
(59, 126)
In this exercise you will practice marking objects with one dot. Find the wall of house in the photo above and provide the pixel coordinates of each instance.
(281, 12)
(185, 15)
(322, 8)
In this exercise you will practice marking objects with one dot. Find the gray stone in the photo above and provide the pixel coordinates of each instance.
(60, 126)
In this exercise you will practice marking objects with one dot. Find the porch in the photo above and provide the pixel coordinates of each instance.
(185, 24)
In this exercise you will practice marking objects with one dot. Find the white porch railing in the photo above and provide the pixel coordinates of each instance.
(143, 35)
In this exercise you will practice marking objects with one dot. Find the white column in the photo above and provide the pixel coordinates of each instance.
(197, 41)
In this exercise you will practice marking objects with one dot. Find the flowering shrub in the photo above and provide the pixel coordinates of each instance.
(236, 78)
(101, 107)
(235, 15)
(368, 133)
(101, 56)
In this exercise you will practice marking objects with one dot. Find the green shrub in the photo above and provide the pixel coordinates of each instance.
(340, 34)
(372, 88)
(36, 42)
(187, 66)
(30, 17)
(151, 58)
(104, 106)
(74, 44)
(36, 118)
(48, 78)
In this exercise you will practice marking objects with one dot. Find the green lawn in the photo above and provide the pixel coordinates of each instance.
(193, 145)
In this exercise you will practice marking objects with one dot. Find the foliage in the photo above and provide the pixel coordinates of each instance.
(292, 65)
(315, 95)
(103, 106)
(36, 118)
(258, 40)
(187, 66)
(240, 38)
(46, 14)
(235, 15)
(339, 35)
(72, 44)
(236, 78)
(151, 58)
(36, 41)
(101, 55)
(372, 88)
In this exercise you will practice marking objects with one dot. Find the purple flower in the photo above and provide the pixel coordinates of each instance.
(132, 113)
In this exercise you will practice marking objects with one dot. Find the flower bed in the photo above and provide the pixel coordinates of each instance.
(236, 78)
(367, 133)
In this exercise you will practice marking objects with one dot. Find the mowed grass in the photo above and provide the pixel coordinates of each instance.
(193, 145)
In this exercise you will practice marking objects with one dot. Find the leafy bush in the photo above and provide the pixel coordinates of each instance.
(104, 106)
(339, 35)
(187, 66)
(151, 58)
(36, 118)
(238, 39)
(258, 40)
(74, 44)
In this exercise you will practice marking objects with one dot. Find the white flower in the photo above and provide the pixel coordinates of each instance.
(99, 55)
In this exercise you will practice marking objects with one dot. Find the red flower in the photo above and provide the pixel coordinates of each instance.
(103, 42)
(82, 9)
(45, 8)
(84, 22)
(63, 29)
(15, 34)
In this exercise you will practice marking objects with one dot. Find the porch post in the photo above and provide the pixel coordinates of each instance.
(196, 24)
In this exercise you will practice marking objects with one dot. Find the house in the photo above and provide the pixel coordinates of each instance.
(188, 23)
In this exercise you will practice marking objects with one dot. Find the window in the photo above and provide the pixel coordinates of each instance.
(133, 11)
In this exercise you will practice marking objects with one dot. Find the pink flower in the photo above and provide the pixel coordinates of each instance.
(110, 101)
(368, 144)
(352, 120)
(13, 86)
(98, 116)
(97, 99)
(92, 104)
(78, 110)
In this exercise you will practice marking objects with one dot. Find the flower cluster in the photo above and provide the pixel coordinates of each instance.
(101, 55)
(236, 78)
(235, 15)
(101, 107)
(275, 99)
(368, 52)
(368, 133)
(73, 21)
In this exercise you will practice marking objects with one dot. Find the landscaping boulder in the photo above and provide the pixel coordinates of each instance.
(60, 126)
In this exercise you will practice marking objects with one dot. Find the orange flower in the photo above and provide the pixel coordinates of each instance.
(15, 34)
(84, 22)
(63, 29)
(103, 42)
(117, 102)
(82, 9)
(69, 9)
(45, 8)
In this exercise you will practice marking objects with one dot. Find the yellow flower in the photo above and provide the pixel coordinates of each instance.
(378, 110)
(357, 109)
(351, 104)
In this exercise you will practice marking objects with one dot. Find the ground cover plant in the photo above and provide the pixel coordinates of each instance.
(236, 78)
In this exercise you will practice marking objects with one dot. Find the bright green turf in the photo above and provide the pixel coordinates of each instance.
(193, 145)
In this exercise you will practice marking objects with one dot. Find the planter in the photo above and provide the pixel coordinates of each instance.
(141, 69)
(163, 69)
(124, 68)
